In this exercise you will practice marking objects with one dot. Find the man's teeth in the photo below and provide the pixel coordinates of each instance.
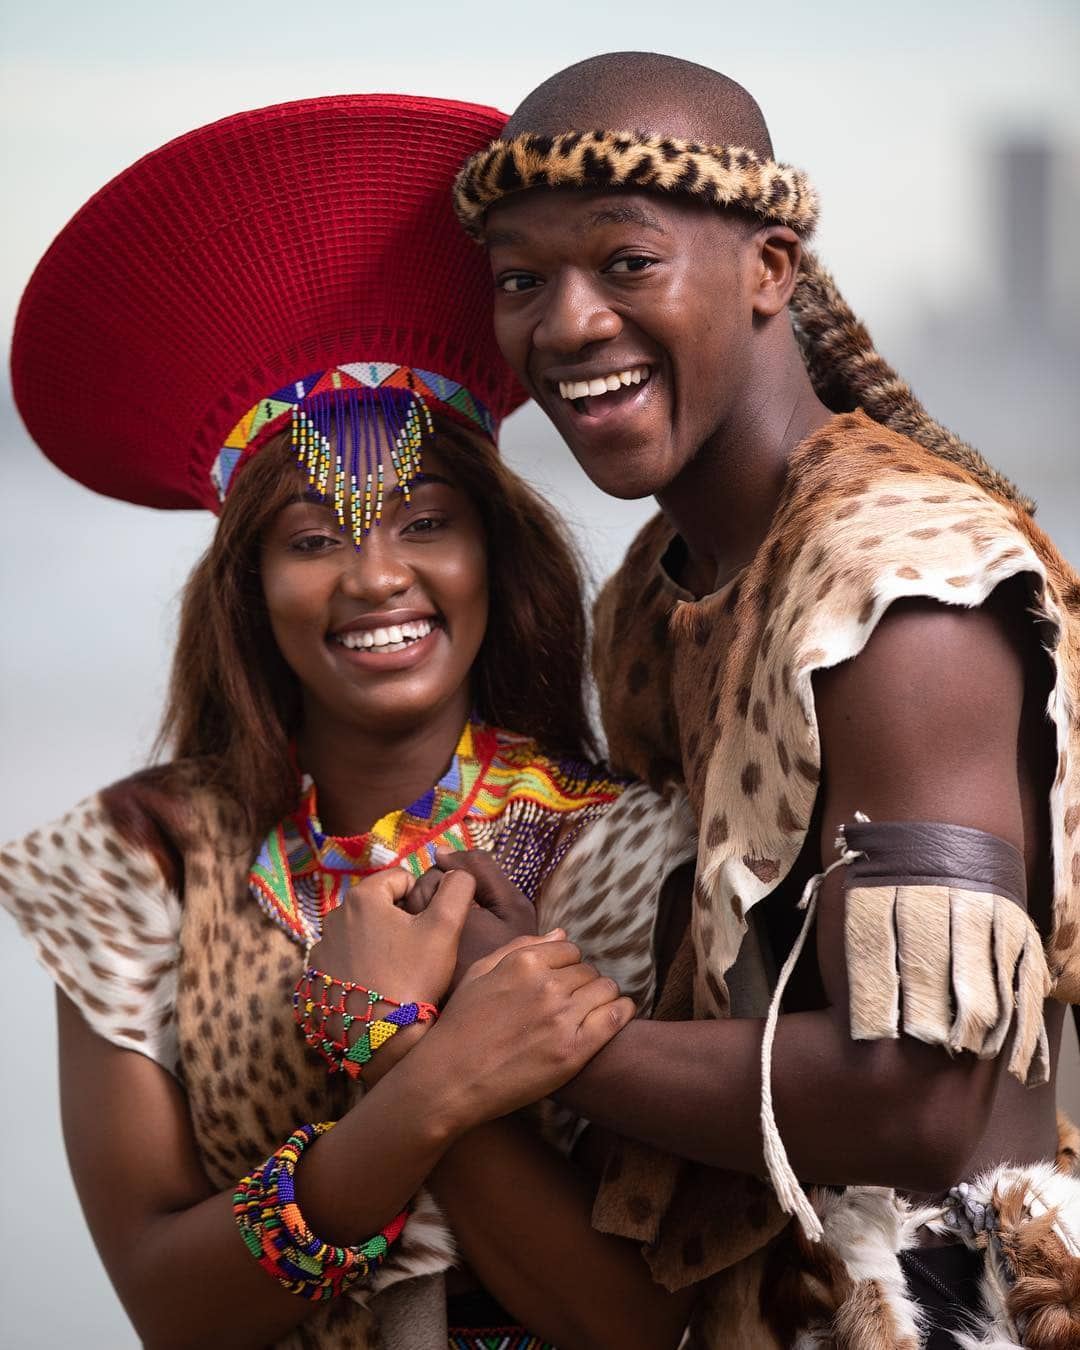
(392, 639)
(607, 384)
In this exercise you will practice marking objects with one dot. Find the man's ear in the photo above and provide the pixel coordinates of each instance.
(776, 268)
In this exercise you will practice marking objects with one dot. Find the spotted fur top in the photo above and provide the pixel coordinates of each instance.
(721, 175)
(867, 518)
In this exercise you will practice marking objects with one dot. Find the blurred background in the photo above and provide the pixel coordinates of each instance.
(945, 142)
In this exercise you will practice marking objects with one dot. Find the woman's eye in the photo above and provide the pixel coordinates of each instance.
(424, 525)
(313, 543)
(516, 282)
(634, 264)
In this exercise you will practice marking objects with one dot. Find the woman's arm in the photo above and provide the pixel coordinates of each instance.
(524, 1025)
(522, 1216)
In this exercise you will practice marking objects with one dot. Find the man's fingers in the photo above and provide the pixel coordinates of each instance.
(555, 953)
(494, 890)
(418, 899)
(452, 901)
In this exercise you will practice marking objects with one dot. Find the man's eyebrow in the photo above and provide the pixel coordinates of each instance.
(624, 214)
(495, 238)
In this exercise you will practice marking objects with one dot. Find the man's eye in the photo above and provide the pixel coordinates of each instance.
(516, 282)
(630, 264)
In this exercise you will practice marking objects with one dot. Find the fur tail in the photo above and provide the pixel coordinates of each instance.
(848, 372)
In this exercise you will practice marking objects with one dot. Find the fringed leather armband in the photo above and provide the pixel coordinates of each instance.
(939, 945)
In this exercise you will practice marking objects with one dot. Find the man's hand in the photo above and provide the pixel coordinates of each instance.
(500, 913)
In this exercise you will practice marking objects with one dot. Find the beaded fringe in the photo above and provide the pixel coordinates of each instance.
(339, 438)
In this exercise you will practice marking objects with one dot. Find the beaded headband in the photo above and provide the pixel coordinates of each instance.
(341, 420)
(721, 175)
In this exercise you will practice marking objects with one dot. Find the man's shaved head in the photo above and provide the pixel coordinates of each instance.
(648, 93)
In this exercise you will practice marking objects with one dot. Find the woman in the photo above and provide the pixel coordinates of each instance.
(380, 596)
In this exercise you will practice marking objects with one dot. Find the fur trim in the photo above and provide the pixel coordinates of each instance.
(1068, 1147)
(970, 966)
(721, 175)
(848, 372)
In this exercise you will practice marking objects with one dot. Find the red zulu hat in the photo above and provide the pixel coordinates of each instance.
(299, 263)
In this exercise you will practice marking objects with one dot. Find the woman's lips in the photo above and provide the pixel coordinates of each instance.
(389, 656)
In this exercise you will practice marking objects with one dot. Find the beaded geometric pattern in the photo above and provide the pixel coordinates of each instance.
(341, 419)
(500, 793)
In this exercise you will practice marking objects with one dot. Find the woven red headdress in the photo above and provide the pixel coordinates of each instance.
(298, 263)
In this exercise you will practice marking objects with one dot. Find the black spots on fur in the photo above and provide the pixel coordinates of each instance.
(689, 176)
(782, 758)
(597, 170)
(639, 1207)
(745, 158)
(641, 170)
(539, 145)
(508, 178)
(669, 150)
(717, 832)
(568, 144)
(809, 771)
(779, 192)
(742, 700)
(708, 190)
(750, 779)
(761, 717)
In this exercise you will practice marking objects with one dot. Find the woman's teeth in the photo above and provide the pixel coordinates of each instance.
(393, 639)
(606, 384)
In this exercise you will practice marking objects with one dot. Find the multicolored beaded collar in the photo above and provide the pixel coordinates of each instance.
(341, 418)
(499, 793)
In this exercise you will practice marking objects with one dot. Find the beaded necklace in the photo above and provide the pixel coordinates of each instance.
(500, 793)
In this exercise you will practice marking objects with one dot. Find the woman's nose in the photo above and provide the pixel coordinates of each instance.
(376, 570)
(575, 314)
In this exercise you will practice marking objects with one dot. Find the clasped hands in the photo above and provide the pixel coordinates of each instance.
(522, 1013)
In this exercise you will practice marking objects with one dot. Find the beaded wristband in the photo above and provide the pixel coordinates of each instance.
(275, 1233)
(313, 1005)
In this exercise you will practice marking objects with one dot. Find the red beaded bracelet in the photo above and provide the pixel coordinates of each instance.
(314, 1003)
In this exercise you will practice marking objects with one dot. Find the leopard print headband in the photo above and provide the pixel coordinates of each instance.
(721, 175)
(846, 369)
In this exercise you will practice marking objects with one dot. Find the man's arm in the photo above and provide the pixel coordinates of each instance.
(923, 725)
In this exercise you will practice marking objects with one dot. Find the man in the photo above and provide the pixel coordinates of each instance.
(830, 627)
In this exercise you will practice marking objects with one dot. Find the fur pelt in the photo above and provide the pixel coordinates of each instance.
(721, 175)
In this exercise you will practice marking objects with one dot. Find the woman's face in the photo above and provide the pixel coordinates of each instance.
(383, 637)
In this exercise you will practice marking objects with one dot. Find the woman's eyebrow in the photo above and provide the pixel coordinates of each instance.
(422, 478)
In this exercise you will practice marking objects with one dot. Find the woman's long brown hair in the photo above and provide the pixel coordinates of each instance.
(233, 702)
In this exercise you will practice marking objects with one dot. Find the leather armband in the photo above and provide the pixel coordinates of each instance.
(938, 943)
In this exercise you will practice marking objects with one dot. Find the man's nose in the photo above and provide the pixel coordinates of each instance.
(576, 313)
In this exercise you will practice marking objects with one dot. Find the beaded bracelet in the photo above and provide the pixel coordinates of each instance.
(275, 1233)
(313, 1004)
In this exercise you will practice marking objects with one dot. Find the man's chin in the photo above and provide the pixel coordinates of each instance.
(628, 475)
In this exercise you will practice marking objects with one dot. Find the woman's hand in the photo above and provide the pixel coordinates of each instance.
(373, 940)
(523, 1022)
(500, 914)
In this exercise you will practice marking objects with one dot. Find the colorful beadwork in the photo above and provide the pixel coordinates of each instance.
(313, 1004)
(276, 1235)
(362, 405)
(500, 793)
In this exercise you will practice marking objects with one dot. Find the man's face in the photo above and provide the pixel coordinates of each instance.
(646, 298)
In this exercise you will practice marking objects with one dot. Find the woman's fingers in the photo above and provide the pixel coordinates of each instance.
(491, 960)
(603, 1021)
(386, 887)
